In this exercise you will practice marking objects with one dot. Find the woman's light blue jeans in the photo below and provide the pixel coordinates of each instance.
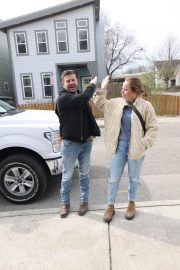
(72, 151)
(118, 162)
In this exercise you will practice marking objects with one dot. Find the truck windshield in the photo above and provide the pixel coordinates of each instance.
(5, 107)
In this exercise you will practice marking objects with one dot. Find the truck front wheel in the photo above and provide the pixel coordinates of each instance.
(22, 178)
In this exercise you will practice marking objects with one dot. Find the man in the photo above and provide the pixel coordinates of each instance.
(77, 129)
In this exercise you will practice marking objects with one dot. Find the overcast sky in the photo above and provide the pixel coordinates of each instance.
(151, 22)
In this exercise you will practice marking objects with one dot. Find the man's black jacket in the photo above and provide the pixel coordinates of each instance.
(76, 120)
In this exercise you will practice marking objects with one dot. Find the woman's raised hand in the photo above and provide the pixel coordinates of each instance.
(105, 82)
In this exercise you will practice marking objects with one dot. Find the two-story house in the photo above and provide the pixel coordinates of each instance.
(45, 43)
(6, 80)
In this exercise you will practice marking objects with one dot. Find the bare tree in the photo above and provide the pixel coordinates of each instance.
(168, 55)
(121, 48)
(170, 49)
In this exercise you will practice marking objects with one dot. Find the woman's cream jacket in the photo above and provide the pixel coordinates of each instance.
(113, 110)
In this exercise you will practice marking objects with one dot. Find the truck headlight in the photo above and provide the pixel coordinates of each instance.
(55, 139)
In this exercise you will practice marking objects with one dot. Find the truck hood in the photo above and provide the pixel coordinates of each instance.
(31, 117)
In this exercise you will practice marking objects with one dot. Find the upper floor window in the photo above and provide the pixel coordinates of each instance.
(42, 42)
(61, 36)
(21, 43)
(6, 87)
(82, 35)
(82, 23)
(47, 84)
(27, 85)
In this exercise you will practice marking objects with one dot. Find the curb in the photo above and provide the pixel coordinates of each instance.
(101, 207)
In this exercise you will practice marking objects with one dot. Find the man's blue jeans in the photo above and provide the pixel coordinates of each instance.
(118, 162)
(72, 151)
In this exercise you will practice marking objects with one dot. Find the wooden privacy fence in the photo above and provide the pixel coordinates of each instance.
(163, 105)
(38, 106)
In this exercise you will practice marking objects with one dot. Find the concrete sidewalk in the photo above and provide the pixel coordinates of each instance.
(40, 239)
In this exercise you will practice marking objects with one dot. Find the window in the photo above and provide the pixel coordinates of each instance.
(85, 82)
(47, 85)
(82, 35)
(82, 23)
(82, 39)
(61, 36)
(42, 42)
(62, 41)
(60, 24)
(6, 86)
(27, 85)
(21, 43)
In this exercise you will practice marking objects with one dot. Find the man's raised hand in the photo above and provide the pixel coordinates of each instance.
(94, 80)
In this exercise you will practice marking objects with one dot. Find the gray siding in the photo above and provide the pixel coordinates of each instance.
(5, 67)
(100, 49)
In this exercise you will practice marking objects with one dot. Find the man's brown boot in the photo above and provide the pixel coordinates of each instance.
(64, 211)
(83, 208)
(130, 211)
(109, 213)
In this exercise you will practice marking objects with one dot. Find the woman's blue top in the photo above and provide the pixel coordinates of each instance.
(125, 132)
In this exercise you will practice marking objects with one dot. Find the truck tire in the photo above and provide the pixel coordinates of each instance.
(22, 178)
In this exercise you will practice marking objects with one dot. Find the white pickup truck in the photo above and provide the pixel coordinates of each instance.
(29, 152)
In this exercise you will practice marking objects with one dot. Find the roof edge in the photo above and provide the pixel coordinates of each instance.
(51, 11)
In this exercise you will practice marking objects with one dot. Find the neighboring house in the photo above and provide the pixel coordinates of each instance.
(45, 43)
(174, 70)
(6, 80)
(120, 77)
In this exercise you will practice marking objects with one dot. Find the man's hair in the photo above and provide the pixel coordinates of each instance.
(67, 72)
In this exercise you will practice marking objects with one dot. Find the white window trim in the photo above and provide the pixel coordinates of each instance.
(83, 20)
(63, 27)
(59, 29)
(84, 29)
(46, 42)
(25, 75)
(81, 28)
(65, 31)
(17, 48)
(43, 85)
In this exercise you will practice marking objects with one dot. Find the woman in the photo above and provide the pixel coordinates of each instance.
(125, 138)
